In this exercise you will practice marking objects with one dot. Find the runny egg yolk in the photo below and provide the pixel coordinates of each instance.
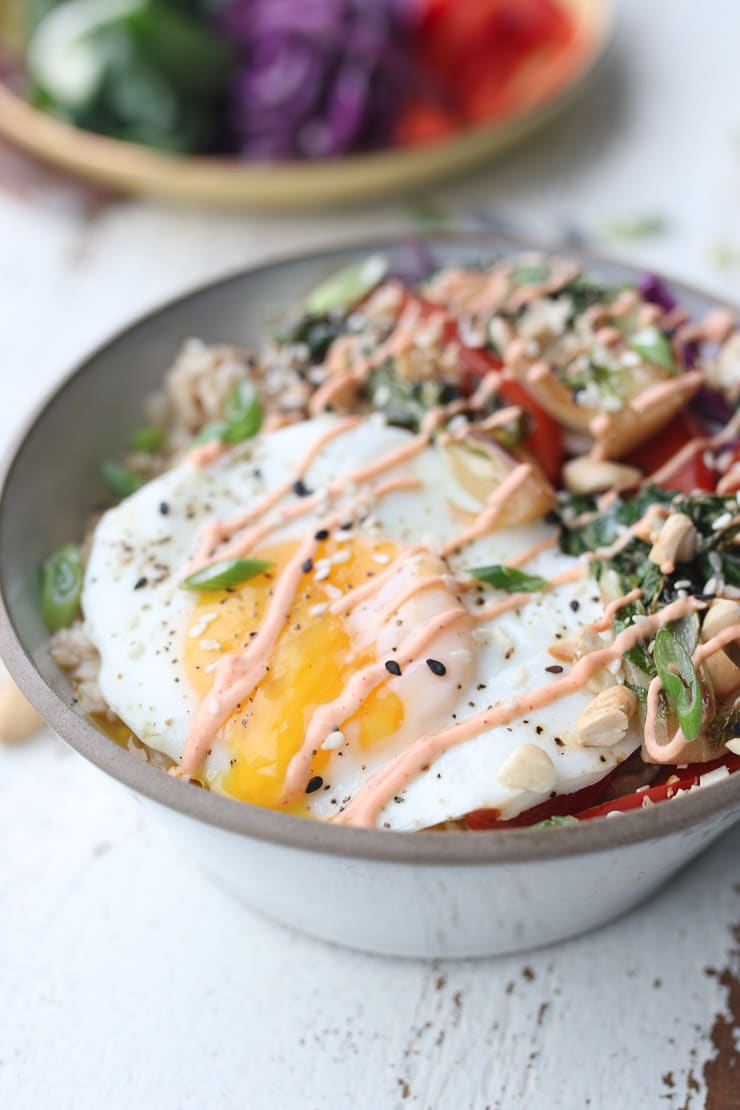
(312, 662)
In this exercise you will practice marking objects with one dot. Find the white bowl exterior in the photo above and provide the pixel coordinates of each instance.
(437, 910)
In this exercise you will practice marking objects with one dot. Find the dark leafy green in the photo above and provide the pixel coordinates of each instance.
(405, 403)
(725, 727)
(317, 333)
(153, 73)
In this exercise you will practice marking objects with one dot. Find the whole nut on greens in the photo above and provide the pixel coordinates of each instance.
(604, 722)
(528, 768)
(587, 475)
(676, 543)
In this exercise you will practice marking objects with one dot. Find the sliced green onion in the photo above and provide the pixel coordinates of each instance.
(227, 572)
(215, 430)
(508, 578)
(552, 822)
(243, 413)
(680, 681)
(347, 286)
(652, 344)
(61, 586)
(530, 275)
(119, 479)
(148, 439)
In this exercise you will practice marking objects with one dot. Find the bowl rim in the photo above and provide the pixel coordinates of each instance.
(499, 846)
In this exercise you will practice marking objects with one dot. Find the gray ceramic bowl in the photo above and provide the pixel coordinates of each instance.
(412, 894)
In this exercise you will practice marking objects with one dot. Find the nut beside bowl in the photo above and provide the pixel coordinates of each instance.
(431, 894)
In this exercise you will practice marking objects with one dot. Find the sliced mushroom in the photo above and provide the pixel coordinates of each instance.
(480, 465)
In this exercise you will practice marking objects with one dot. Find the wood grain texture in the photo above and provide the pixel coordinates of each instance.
(128, 980)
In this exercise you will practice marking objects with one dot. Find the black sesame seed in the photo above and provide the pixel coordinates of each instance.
(345, 527)
(392, 667)
(164, 508)
(575, 605)
(322, 534)
(554, 669)
(300, 489)
(140, 583)
(436, 667)
(314, 784)
(307, 566)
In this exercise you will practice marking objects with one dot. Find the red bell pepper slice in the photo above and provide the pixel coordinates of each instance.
(693, 473)
(662, 791)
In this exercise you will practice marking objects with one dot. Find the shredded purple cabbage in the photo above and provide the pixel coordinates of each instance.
(655, 290)
(712, 409)
(319, 78)
(415, 262)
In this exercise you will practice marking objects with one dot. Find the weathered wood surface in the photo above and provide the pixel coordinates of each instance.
(126, 979)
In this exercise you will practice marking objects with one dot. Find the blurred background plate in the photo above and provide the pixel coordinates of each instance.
(223, 182)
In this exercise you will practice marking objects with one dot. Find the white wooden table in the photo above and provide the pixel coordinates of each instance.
(127, 979)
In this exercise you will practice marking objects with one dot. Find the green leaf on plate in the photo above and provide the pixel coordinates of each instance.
(228, 572)
(508, 578)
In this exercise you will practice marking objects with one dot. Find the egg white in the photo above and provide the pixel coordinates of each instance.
(138, 616)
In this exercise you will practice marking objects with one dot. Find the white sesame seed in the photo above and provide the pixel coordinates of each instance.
(340, 557)
(381, 557)
(210, 645)
(710, 586)
(683, 584)
(333, 741)
(318, 610)
(332, 591)
(321, 574)
(201, 625)
(211, 667)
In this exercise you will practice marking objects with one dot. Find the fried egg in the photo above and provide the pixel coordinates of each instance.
(379, 644)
